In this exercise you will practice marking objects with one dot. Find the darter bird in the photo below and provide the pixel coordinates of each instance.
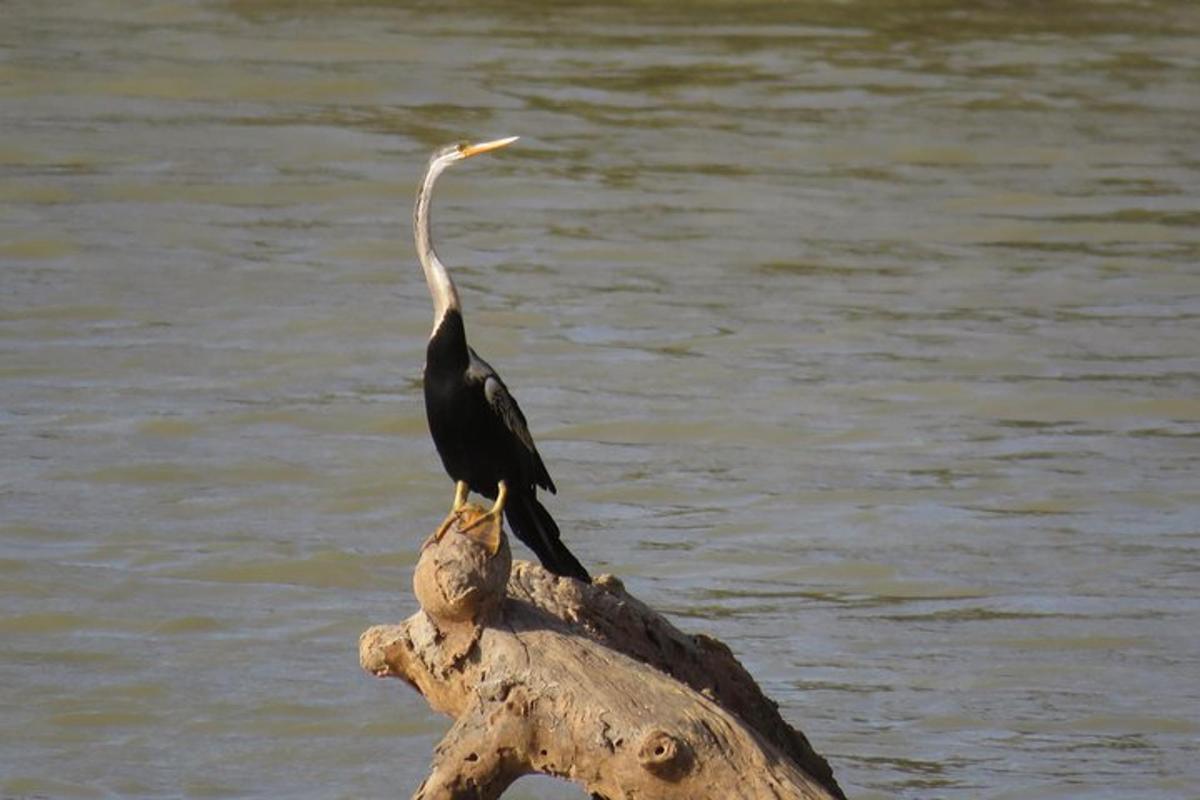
(477, 426)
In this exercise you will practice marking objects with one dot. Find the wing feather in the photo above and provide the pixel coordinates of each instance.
(507, 409)
(509, 413)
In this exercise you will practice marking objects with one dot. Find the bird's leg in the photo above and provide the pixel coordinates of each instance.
(490, 535)
(460, 500)
(460, 496)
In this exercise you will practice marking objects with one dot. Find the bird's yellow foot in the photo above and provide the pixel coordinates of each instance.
(487, 527)
(460, 502)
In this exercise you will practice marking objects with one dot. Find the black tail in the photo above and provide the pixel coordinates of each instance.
(534, 526)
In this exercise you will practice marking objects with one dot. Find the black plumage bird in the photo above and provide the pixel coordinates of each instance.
(477, 426)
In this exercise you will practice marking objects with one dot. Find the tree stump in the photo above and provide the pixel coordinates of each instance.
(550, 675)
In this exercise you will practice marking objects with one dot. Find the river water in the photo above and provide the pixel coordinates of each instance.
(860, 335)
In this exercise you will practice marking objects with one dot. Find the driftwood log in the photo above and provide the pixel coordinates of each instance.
(550, 675)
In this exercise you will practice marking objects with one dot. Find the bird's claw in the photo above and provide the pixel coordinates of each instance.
(486, 529)
(447, 523)
(460, 504)
(492, 518)
(470, 518)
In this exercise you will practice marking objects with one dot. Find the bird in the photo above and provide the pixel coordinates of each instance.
(477, 427)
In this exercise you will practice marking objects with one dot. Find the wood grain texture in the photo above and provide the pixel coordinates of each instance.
(550, 675)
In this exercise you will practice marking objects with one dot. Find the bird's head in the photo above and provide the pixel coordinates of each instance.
(445, 156)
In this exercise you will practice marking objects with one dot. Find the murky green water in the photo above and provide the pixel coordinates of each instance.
(860, 335)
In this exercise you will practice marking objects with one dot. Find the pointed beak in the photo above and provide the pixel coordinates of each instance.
(486, 147)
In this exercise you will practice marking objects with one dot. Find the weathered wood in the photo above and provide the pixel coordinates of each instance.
(550, 675)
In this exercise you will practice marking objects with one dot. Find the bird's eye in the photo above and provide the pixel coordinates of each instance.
(462, 147)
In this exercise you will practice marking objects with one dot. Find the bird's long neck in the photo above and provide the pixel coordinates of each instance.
(441, 287)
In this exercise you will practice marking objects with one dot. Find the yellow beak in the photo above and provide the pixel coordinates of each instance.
(486, 147)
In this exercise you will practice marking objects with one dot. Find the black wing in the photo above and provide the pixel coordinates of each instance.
(507, 411)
